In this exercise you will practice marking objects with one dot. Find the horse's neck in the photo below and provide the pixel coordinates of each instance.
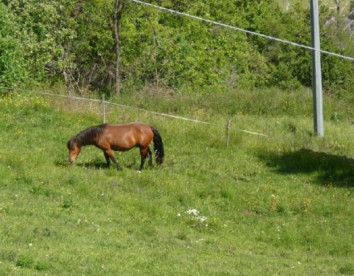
(86, 139)
(88, 143)
(83, 143)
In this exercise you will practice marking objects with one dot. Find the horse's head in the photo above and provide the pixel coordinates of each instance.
(73, 148)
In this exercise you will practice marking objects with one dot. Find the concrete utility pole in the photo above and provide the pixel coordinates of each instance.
(316, 70)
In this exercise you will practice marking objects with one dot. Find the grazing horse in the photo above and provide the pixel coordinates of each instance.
(122, 137)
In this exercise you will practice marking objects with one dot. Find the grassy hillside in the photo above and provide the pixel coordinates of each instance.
(281, 205)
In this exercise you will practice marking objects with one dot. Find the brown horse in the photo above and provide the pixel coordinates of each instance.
(119, 138)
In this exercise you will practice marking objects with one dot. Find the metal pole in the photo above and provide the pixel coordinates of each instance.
(316, 70)
(103, 109)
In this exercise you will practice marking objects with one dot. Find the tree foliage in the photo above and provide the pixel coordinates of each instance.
(73, 42)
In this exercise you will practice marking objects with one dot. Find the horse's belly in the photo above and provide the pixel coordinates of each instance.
(120, 148)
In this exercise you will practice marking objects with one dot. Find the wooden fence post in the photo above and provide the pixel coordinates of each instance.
(103, 109)
(228, 133)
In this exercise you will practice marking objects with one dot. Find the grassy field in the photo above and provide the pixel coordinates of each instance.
(277, 205)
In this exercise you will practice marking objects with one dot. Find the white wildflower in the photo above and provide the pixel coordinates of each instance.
(193, 211)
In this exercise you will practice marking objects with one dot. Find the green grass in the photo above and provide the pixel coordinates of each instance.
(281, 205)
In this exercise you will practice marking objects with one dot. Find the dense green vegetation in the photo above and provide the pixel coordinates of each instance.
(72, 42)
(281, 205)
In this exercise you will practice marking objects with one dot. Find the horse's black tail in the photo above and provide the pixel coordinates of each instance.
(158, 146)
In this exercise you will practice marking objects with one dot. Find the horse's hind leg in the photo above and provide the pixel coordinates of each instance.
(144, 153)
(150, 156)
(107, 158)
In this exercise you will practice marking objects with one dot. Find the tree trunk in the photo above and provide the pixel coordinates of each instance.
(117, 16)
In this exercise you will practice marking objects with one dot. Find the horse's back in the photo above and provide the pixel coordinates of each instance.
(133, 129)
(126, 136)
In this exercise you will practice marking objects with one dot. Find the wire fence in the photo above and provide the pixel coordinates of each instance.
(105, 109)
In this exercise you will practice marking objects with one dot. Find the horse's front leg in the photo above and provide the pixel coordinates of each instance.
(108, 154)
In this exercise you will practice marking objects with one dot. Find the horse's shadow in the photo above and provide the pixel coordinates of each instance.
(330, 169)
(93, 165)
(101, 165)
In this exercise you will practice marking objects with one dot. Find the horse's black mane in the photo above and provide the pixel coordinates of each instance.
(86, 136)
